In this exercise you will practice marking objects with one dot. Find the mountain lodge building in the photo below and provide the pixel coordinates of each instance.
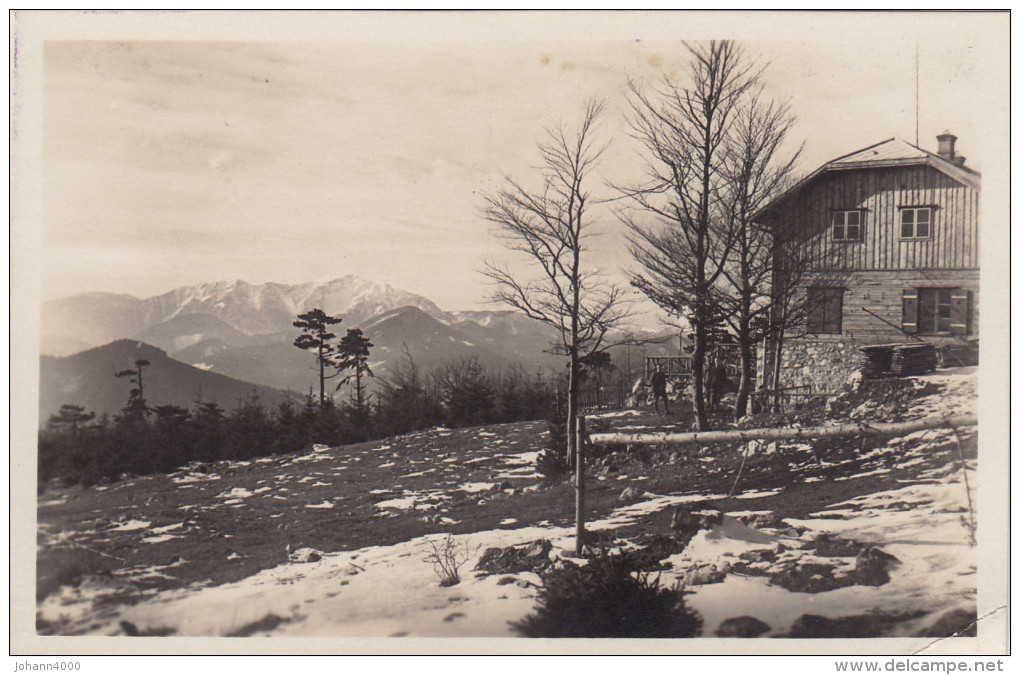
(897, 226)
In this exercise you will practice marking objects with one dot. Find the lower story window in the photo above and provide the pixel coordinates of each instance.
(825, 310)
(936, 311)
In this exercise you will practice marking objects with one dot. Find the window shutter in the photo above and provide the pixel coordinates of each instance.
(909, 321)
(834, 311)
(959, 312)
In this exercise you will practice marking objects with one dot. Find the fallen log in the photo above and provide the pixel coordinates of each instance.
(784, 433)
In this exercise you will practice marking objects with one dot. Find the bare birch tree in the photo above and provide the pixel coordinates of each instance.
(756, 172)
(552, 227)
(684, 131)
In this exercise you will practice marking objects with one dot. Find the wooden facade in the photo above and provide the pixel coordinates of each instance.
(880, 195)
(884, 274)
(896, 230)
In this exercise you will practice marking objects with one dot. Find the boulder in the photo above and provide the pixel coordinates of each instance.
(810, 578)
(694, 517)
(958, 622)
(761, 555)
(831, 546)
(873, 566)
(305, 555)
(630, 495)
(652, 549)
(515, 559)
(538, 549)
(742, 626)
(814, 626)
(759, 520)
(704, 574)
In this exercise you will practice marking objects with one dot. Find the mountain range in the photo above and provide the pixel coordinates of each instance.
(244, 332)
(88, 379)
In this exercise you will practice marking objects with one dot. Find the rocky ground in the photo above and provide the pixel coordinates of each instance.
(855, 537)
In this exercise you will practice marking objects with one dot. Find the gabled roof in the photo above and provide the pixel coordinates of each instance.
(888, 153)
(892, 150)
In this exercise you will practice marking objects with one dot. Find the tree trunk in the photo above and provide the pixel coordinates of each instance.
(777, 366)
(698, 370)
(573, 390)
(357, 386)
(579, 490)
(322, 381)
(785, 433)
(744, 390)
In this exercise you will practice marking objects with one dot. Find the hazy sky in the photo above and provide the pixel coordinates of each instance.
(228, 153)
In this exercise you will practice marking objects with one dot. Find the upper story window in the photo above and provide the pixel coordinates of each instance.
(846, 225)
(915, 222)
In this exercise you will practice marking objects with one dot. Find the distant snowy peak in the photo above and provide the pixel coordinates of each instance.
(270, 307)
(92, 319)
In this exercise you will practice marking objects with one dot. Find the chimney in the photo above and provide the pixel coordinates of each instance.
(947, 148)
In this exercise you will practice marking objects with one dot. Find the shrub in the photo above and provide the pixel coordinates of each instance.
(468, 393)
(447, 560)
(552, 465)
(607, 598)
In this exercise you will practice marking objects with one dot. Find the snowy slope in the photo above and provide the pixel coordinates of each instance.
(924, 522)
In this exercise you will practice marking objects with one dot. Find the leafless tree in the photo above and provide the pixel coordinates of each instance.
(756, 171)
(797, 264)
(684, 131)
(552, 227)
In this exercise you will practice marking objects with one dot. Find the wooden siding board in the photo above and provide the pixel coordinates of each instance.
(881, 193)
(882, 293)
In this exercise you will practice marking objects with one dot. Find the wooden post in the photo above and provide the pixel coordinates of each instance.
(579, 487)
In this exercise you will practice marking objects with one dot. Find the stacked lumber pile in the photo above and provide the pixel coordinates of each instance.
(899, 359)
(877, 360)
(916, 359)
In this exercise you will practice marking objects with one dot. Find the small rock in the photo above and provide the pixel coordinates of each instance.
(742, 626)
(873, 565)
(704, 574)
(630, 495)
(305, 555)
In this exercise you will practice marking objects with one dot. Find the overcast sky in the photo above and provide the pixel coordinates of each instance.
(229, 152)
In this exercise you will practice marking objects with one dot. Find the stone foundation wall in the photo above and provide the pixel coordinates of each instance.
(823, 365)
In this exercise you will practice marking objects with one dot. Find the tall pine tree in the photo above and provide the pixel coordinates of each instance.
(317, 338)
(354, 355)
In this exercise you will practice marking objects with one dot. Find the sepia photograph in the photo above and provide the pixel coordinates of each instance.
(383, 332)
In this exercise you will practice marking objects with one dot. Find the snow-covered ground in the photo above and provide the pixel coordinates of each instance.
(393, 591)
